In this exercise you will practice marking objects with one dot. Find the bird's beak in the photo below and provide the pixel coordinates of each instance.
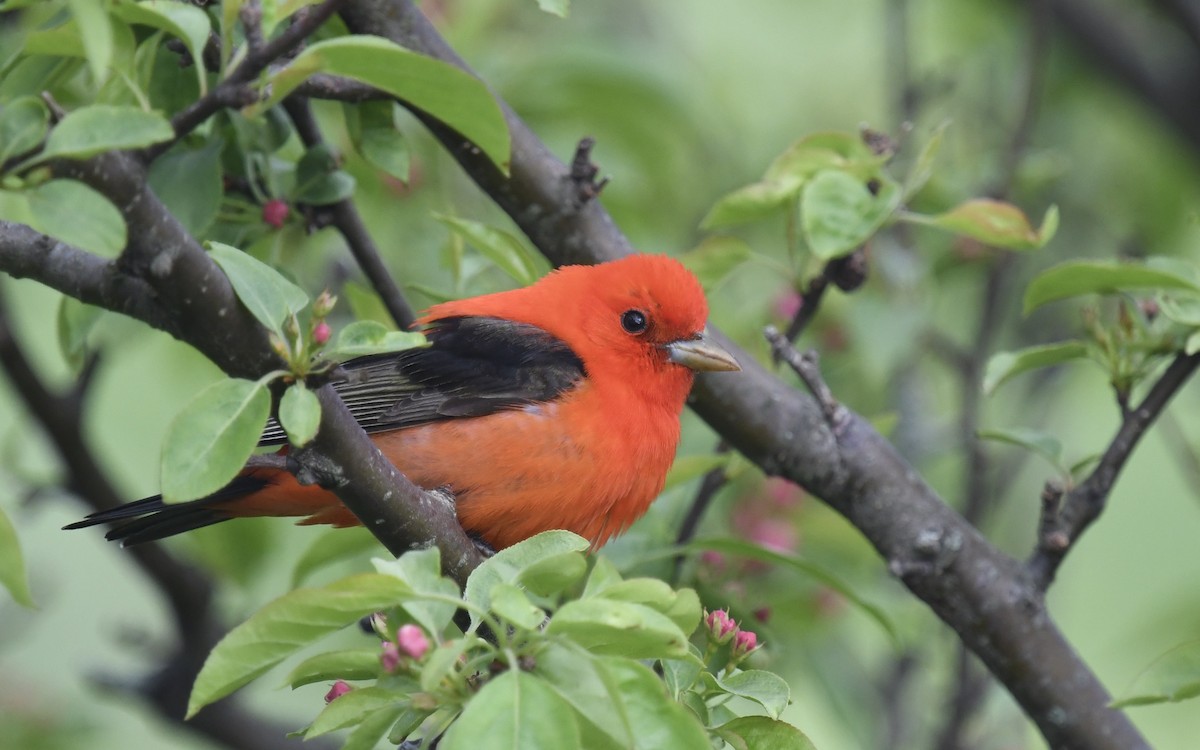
(701, 353)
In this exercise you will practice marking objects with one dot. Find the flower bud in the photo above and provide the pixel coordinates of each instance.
(323, 304)
(275, 212)
(390, 658)
(412, 641)
(721, 628)
(321, 333)
(340, 688)
(743, 643)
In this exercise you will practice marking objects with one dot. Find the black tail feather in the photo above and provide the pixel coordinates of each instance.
(150, 519)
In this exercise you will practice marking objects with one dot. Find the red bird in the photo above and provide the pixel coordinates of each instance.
(555, 406)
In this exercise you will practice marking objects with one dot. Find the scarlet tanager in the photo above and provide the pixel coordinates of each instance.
(555, 406)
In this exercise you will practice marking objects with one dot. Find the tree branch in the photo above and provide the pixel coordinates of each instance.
(235, 90)
(187, 590)
(173, 266)
(1084, 504)
(350, 224)
(982, 593)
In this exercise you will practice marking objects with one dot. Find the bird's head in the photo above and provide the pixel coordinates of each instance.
(643, 316)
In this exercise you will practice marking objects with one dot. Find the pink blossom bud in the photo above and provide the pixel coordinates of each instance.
(712, 559)
(720, 627)
(390, 658)
(412, 641)
(321, 333)
(275, 212)
(340, 688)
(788, 304)
(745, 642)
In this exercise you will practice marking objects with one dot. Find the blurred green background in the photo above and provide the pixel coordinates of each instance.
(687, 101)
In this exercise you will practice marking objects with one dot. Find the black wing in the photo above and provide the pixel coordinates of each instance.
(474, 366)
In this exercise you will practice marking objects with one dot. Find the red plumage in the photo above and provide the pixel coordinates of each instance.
(554, 406)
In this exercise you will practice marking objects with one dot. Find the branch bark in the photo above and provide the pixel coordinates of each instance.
(985, 595)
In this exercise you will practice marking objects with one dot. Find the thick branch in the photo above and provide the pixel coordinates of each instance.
(982, 593)
(204, 311)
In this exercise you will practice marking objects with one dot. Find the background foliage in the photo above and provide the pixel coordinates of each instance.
(689, 101)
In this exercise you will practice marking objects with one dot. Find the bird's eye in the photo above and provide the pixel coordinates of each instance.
(633, 321)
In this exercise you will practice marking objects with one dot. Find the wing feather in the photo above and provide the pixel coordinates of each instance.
(473, 366)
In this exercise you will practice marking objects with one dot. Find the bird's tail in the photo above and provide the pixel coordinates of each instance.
(150, 518)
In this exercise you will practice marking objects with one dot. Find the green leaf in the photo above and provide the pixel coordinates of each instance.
(514, 711)
(1004, 366)
(450, 95)
(352, 708)
(421, 570)
(1077, 278)
(1043, 444)
(994, 223)
(554, 7)
(715, 258)
(373, 131)
(319, 180)
(74, 213)
(366, 305)
(299, 414)
(554, 574)
(507, 565)
(95, 32)
(511, 604)
(409, 720)
(331, 546)
(97, 128)
(1192, 345)
(752, 202)
(75, 322)
(208, 442)
(682, 606)
(1172, 677)
(500, 247)
(1182, 310)
(372, 729)
(186, 22)
(816, 152)
(584, 681)
(23, 123)
(442, 663)
(188, 182)
(352, 664)
(372, 337)
(656, 721)
(608, 626)
(743, 548)
(922, 168)
(12, 564)
(681, 674)
(763, 733)
(285, 626)
(767, 689)
(839, 212)
(264, 291)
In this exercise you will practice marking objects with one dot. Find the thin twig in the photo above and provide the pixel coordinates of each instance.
(806, 366)
(350, 224)
(1084, 504)
(235, 90)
